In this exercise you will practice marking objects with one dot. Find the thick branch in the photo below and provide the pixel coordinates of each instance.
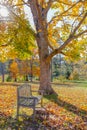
(48, 7)
(59, 50)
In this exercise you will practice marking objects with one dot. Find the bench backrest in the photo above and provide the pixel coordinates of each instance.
(24, 90)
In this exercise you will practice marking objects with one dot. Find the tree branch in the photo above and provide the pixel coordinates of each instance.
(4, 45)
(6, 20)
(7, 44)
(63, 53)
(19, 5)
(59, 50)
(70, 38)
(63, 12)
(14, 5)
(64, 3)
(48, 7)
(79, 24)
(76, 36)
(75, 21)
(51, 47)
(26, 3)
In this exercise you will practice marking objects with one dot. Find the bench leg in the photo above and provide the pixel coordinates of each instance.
(17, 113)
(41, 102)
(17, 117)
(34, 113)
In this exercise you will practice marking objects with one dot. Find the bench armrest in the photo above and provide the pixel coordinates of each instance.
(32, 97)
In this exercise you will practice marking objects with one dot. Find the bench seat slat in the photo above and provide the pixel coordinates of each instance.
(29, 101)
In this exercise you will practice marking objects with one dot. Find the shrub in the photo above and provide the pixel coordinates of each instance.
(74, 75)
(9, 79)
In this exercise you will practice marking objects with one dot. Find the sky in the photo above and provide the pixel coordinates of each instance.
(29, 15)
(3, 11)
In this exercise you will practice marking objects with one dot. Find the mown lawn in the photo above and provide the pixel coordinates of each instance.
(67, 110)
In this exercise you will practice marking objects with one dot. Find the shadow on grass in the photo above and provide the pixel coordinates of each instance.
(25, 123)
(68, 106)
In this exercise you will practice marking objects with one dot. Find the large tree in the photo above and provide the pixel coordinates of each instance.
(60, 34)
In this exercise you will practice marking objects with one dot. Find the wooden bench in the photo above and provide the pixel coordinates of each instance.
(26, 99)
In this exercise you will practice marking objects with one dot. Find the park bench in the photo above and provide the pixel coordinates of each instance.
(26, 99)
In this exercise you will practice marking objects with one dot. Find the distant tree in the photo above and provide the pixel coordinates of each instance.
(2, 68)
(14, 71)
(24, 69)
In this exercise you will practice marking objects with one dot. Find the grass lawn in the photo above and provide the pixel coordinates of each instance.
(67, 111)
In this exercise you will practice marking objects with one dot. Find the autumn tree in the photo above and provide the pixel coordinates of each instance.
(34, 64)
(63, 33)
(14, 71)
(11, 35)
(24, 68)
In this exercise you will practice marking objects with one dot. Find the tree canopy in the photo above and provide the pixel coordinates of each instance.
(16, 36)
(65, 26)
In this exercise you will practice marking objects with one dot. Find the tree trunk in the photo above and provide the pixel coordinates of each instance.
(45, 67)
(31, 70)
(15, 79)
(43, 47)
(2, 72)
(26, 77)
(51, 72)
(45, 78)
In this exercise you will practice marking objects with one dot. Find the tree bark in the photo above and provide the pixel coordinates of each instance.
(45, 78)
(45, 67)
